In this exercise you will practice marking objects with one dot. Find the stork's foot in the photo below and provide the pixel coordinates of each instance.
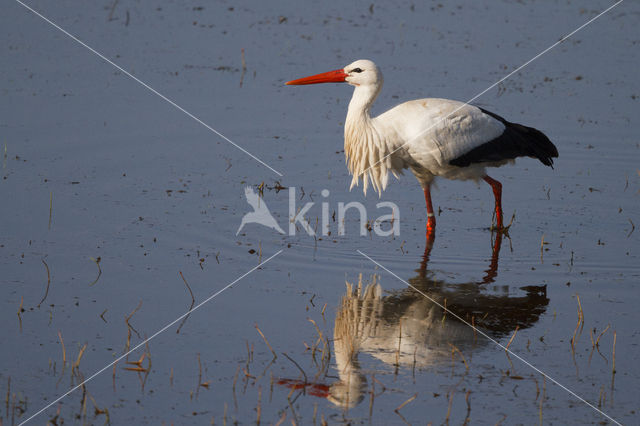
(500, 229)
(498, 225)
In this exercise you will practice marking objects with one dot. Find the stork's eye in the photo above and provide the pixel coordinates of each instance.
(358, 70)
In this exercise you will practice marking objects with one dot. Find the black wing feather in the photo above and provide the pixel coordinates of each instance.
(516, 141)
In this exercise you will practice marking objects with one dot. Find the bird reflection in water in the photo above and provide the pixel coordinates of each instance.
(406, 329)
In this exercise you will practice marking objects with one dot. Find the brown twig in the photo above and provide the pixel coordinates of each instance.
(297, 365)
(97, 261)
(193, 302)
(46, 292)
(20, 311)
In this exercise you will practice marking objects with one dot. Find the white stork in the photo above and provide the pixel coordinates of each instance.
(431, 137)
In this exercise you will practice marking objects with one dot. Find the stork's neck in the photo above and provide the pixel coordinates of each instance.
(365, 143)
(361, 101)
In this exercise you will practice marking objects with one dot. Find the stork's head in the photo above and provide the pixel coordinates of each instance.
(362, 72)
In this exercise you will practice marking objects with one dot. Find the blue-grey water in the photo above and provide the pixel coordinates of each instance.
(108, 193)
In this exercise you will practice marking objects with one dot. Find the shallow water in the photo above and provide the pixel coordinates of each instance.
(94, 166)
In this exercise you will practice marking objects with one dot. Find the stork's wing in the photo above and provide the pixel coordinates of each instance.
(447, 132)
(440, 130)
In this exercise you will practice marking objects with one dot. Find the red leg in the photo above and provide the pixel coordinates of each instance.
(497, 193)
(431, 236)
(431, 217)
(492, 272)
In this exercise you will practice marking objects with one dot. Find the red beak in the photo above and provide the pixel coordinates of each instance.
(336, 76)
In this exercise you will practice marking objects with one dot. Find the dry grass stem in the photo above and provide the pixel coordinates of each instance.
(113, 376)
(450, 396)
(613, 362)
(384, 388)
(224, 415)
(601, 333)
(233, 388)
(454, 349)
(580, 311)
(513, 336)
(199, 375)
(259, 407)
(406, 402)
(282, 418)
(75, 367)
(64, 351)
(266, 341)
(601, 397)
(399, 344)
(578, 330)
(129, 326)
(467, 418)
